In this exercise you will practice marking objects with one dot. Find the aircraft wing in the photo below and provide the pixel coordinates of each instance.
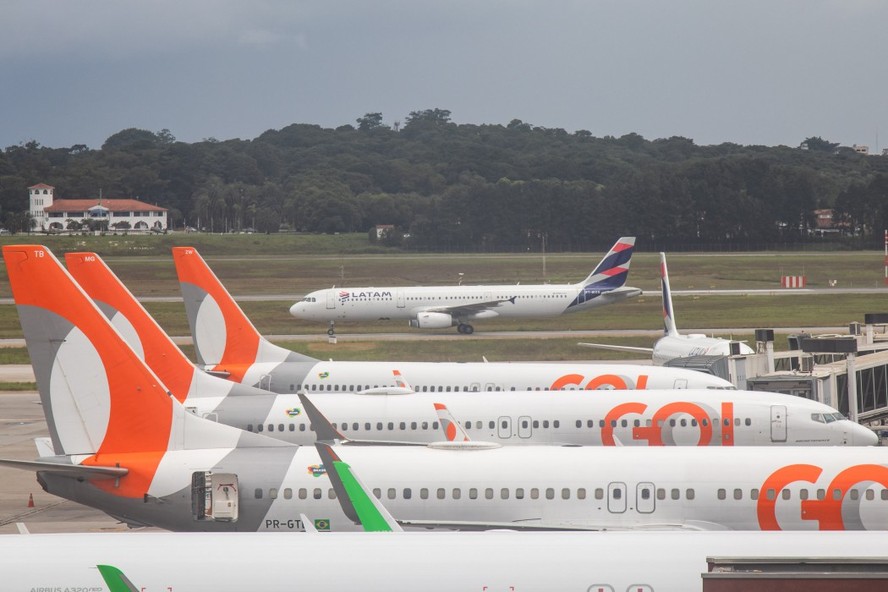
(471, 309)
(621, 348)
(92, 472)
(539, 525)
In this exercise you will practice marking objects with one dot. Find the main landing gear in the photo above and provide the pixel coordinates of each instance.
(465, 329)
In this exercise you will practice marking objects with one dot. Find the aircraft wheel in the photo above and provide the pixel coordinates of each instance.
(465, 329)
(331, 332)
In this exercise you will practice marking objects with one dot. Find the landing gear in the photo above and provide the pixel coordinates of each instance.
(465, 329)
(332, 330)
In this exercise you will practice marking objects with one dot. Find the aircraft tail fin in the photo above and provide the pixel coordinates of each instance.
(143, 333)
(100, 399)
(453, 432)
(356, 500)
(116, 580)
(669, 327)
(224, 338)
(613, 270)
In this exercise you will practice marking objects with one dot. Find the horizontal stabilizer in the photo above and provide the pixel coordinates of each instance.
(621, 348)
(65, 468)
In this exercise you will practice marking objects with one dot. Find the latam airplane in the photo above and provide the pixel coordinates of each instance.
(674, 344)
(121, 443)
(227, 344)
(682, 417)
(410, 561)
(438, 307)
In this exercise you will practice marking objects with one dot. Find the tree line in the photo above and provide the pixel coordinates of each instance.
(449, 186)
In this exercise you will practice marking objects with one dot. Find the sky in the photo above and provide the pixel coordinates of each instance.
(766, 72)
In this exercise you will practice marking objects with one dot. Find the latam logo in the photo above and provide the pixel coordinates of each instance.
(345, 295)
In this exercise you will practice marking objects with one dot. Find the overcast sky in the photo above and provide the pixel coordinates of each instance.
(747, 71)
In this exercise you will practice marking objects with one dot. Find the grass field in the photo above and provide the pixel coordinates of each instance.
(289, 265)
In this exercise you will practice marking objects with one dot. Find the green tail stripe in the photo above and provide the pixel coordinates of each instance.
(116, 580)
(371, 519)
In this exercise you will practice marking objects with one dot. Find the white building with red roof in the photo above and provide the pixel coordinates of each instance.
(52, 214)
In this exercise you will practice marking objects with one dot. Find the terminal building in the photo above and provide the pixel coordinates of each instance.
(61, 215)
(847, 372)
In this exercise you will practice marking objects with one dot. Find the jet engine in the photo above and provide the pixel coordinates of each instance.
(432, 320)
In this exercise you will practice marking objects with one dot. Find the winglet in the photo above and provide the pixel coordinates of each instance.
(358, 503)
(224, 338)
(116, 579)
(613, 270)
(669, 327)
(453, 432)
(324, 430)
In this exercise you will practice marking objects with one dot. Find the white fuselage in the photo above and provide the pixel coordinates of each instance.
(405, 562)
(671, 347)
(445, 377)
(628, 418)
(370, 304)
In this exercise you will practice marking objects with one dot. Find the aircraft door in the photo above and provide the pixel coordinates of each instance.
(214, 496)
(778, 423)
(399, 294)
(504, 427)
(680, 383)
(616, 497)
(525, 426)
(331, 299)
(645, 498)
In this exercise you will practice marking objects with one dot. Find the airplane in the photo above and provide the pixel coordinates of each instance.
(683, 417)
(439, 307)
(674, 344)
(429, 561)
(227, 344)
(122, 444)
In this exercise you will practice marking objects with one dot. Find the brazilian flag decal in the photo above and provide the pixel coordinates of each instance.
(322, 524)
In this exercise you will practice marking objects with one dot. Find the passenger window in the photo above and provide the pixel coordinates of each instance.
(590, 423)
(885, 495)
(303, 493)
(704, 423)
(273, 493)
(870, 495)
(672, 423)
(504, 493)
(550, 493)
(787, 494)
(407, 493)
(288, 493)
(519, 493)
(565, 493)
(545, 423)
(258, 493)
(579, 423)
(488, 493)
(534, 493)
(737, 421)
(855, 494)
(599, 493)
(301, 427)
(684, 423)
(661, 494)
(689, 493)
(694, 423)
(837, 494)
(556, 423)
(491, 425)
(457, 493)
(379, 426)
(425, 425)
(391, 493)
(754, 494)
(645, 494)
(377, 492)
(821, 494)
(473, 493)
(581, 493)
(617, 493)
(536, 423)
(249, 427)
(391, 426)
(260, 427)
(331, 493)
(803, 494)
(317, 493)
(675, 494)
(292, 427)
(770, 494)
(441, 493)
(424, 493)
(402, 425)
(748, 421)
(738, 494)
(722, 494)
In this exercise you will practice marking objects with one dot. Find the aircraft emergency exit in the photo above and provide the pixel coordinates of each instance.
(227, 344)
(124, 445)
(439, 307)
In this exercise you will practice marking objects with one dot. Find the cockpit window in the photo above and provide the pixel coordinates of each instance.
(818, 417)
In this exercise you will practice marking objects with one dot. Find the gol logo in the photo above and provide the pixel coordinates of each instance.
(659, 433)
(601, 382)
(827, 511)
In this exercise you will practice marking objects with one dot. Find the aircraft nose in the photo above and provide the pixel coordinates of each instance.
(295, 310)
(863, 436)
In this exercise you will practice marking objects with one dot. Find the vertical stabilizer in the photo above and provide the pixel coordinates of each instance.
(669, 327)
(453, 432)
(224, 338)
(144, 335)
(613, 270)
